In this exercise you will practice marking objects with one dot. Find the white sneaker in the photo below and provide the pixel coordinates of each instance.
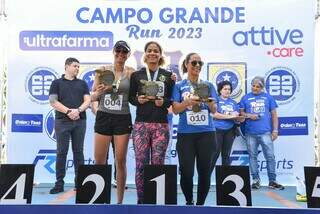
(114, 183)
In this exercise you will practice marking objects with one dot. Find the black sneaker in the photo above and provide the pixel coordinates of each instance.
(255, 185)
(56, 189)
(190, 203)
(275, 185)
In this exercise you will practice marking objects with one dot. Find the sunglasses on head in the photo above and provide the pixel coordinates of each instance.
(121, 50)
(195, 62)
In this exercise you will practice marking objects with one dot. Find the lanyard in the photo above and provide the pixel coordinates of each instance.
(149, 75)
(116, 83)
(191, 86)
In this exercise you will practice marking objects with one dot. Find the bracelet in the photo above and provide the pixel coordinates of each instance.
(79, 110)
(276, 131)
(68, 111)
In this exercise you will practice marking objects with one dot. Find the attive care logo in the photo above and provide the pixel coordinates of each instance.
(66, 40)
(38, 83)
(284, 42)
(232, 72)
(49, 125)
(283, 84)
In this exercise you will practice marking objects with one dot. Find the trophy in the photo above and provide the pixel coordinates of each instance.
(105, 76)
(201, 90)
(150, 89)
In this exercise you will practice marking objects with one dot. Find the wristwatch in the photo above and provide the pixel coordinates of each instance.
(79, 110)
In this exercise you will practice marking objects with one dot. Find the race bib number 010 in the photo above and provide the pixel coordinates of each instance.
(198, 118)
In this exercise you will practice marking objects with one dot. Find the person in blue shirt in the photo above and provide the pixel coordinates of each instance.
(261, 128)
(196, 140)
(225, 119)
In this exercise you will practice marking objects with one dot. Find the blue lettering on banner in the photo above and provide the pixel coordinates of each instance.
(120, 15)
(50, 156)
(241, 157)
(267, 36)
(293, 126)
(167, 15)
(66, 40)
(27, 123)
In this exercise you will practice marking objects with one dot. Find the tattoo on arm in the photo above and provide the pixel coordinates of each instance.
(53, 98)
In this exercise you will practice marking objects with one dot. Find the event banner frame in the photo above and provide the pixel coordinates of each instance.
(237, 40)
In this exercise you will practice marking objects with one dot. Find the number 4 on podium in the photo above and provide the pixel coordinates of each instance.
(16, 183)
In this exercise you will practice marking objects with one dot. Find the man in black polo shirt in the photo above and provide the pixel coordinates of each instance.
(70, 98)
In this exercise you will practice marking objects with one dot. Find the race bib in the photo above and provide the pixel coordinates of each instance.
(113, 104)
(198, 118)
(161, 89)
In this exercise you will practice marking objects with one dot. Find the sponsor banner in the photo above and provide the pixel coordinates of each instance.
(293, 126)
(27, 123)
(66, 40)
(232, 38)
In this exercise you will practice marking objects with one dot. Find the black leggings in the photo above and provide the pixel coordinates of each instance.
(202, 148)
(225, 140)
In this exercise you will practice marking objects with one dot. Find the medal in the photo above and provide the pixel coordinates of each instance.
(196, 108)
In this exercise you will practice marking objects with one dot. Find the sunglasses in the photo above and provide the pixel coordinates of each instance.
(195, 62)
(121, 50)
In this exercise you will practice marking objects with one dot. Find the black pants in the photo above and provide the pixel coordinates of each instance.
(225, 140)
(202, 148)
(65, 130)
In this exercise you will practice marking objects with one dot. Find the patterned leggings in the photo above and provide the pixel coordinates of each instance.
(150, 140)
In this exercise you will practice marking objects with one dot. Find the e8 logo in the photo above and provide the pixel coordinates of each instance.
(38, 83)
(281, 84)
